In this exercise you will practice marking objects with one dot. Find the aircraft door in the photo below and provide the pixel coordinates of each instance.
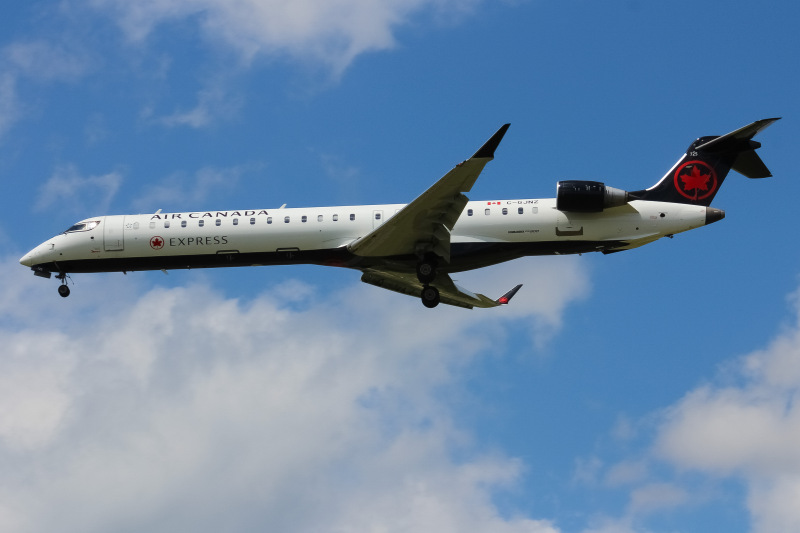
(113, 237)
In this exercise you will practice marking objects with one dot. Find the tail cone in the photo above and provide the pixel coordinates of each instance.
(713, 215)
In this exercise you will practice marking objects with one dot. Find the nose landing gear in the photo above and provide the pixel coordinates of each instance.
(63, 289)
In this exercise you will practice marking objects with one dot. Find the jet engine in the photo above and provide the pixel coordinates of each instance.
(588, 196)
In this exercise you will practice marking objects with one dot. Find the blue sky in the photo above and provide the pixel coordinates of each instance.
(648, 391)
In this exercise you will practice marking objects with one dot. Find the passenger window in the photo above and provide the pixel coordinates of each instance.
(505, 210)
(183, 223)
(219, 222)
(166, 223)
(201, 223)
(377, 216)
(303, 218)
(252, 221)
(534, 210)
(269, 220)
(335, 218)
(235, 222)
(469, 212)
(319, 218)
(352, 216)
(488, 211)
(152, 224)
(135, 225)
(286, 220)
(520, 210)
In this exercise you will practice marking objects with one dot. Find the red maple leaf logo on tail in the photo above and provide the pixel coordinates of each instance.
(697, 180)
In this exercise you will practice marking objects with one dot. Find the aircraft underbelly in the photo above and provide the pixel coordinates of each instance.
(465, 256)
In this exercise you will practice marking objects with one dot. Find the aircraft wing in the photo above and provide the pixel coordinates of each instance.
(449, 292)
(424, 225)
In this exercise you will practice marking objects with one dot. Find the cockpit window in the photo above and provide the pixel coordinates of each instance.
(83, 226)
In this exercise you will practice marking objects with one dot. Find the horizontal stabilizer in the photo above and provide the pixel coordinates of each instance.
(750, 165)
(733, 140)
(739, 142)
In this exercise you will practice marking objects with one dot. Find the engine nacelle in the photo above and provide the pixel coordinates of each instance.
(588, 196)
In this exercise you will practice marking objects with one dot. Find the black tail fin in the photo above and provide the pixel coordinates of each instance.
(698, 175)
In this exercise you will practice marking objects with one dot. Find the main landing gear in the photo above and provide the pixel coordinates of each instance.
(426, 270)
(426, 273)
(63, 289)
(430, 296)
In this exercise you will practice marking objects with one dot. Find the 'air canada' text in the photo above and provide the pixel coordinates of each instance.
(217, 214)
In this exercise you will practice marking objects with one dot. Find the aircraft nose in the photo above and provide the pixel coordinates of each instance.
(33, 257)
(27, 259)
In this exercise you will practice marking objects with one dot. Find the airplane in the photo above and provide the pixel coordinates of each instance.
(414, 248)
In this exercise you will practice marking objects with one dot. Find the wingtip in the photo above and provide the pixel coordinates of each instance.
(504, 299)
(487, 150)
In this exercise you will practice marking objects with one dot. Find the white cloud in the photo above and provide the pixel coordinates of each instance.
(10, 107)
(330, 32)
(96, 129)
(33, 419)
(626, 472)
(744, 427)
(44, 61)
(655, 497)
(750, 431)
(609, 525)
(38, 60)
(68, 191)
(182, 409)
(212, 103)
(179, 192)
(543, 297)
(773, 503)
(587, 470)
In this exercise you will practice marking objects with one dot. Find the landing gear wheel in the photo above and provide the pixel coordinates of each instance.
(426, 270)
(63, 290)
(430, 296)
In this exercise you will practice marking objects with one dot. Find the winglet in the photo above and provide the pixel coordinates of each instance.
(504, 299)
(487, 150)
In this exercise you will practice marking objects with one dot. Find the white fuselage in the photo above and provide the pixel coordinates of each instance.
(487, 232)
